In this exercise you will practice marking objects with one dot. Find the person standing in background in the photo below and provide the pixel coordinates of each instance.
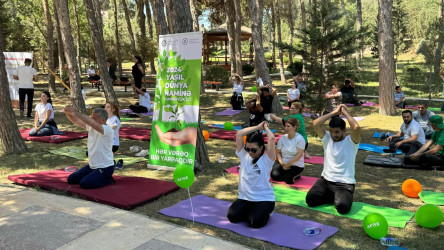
(26, 75)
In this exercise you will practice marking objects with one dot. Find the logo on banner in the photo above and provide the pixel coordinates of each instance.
(164, 43)
(185, 41)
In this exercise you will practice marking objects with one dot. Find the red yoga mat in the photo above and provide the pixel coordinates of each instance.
(67, 136)
(126, 193)
(141, 134)
(231, 135)
(304, 182)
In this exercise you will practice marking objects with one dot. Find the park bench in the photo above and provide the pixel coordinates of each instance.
(151, 83)
(95, 83)
(213, 83)
(123, 83)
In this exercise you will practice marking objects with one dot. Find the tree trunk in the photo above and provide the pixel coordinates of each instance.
(50, 43)
(386, 53)
(273, 34)
(230, 17)
(279, 35)
(343, 7)
(291, 24)
(76, 14)
(99, 49)
(359, 27)
(194, 15)
(159, 17)
(150, 32)
(59, 42)
(70, 54)
(304, 26)
(130, 30)
(181, 13)
(141, 18)
(437, 61)
(237, 36)
(116, 28)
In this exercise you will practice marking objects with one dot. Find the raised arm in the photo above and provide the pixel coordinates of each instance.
(271, 145)
(355, 132)
(241, 133)
(277, 119)
(82, 120)
(318, 124)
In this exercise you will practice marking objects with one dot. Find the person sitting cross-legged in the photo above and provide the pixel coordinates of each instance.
(144, 104)
(413, 135)
(267, 100)
(337, 182)
(256, 115)
(399, 98)
(422, 116)
(426, 156)
(100, 168)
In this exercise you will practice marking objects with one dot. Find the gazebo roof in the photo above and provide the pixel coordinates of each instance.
(220, 34)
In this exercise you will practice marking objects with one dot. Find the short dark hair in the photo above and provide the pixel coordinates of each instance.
(347, 81)
(265, 89)
(28, 60)
(407, 111)
(337, 122)
(255, 137)
(144, 90)
(397, 87)
(425, 104)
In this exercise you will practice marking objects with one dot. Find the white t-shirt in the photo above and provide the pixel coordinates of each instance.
(414, 128)
(237, 87)
(100, 147)
(254, 184)
(26, 75)
(144, 100)
(91, 71)
(83, 94)
(339, 161)
(293, 93)
(114, 121)
(260, 82)
(289, 148)
(41, 111)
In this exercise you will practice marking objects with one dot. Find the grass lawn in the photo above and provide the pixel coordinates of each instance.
(375, 185)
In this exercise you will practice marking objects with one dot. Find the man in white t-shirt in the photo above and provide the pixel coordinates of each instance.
(412, 133)
(144, 104)
(25, 75)
(100, 168)
(337, 182)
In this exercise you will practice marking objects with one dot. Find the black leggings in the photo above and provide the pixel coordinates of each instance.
(138, 109)
(255, 213)
(326, 192)
(407, 148)
(278, 173)
(429, 160)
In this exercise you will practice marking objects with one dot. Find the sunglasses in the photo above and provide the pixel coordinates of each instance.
(252, 150)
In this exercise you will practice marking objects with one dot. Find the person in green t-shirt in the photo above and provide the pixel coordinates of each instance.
(435, 156)
(295, 112)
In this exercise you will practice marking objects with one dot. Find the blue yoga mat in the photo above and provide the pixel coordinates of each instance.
(375, 148)
(234, 127)
(378, 134)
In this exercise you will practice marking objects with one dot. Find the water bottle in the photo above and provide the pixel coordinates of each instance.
(135, 149)
(70, 169)
(389, 242)
(312, 231)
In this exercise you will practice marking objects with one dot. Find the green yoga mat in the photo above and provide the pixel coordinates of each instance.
(126, 119)
(395, 217)
(431, 197)
(80, 154)
(433, 109)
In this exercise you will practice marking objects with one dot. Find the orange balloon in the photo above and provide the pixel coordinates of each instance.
(206, 135)
(245, 139)
(411, 188)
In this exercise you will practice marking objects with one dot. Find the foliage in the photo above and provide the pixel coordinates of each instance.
(247, 69)
(296, 67)
(217, 73)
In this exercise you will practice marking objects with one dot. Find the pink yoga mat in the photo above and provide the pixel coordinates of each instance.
(315, 160)
(142, 134)
(67, 136)
(231, 135)
(368, 104)
(304, 182)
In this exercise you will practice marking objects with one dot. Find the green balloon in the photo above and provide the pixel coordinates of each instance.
(375, 225)
(429, 216)
(183, 176)
(228, 126)
(254, 88)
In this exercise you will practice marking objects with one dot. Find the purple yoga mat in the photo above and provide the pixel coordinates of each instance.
(229, 112)
(130, 111)
(368, 104)
(281, 229)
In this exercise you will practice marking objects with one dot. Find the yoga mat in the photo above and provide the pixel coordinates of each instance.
(150, 112)
(281, 229)
(126, 119)
(376, 148)
(378, 134)
(306, 114)
(434, 109)
(411, 107)
(349, 105)
(368, 104)
(395, 217)
(80, 154)
(67, 136)
(234, 127)
(315, 160)
(431, 197)
(231, 135)
(357, 118)
(229, 112)
(126, 193)
(133, 133)
(304, 182)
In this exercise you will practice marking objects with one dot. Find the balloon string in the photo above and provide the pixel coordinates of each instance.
(192, 210)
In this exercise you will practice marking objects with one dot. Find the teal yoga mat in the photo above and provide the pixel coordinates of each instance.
(431, 197)
(395, 217)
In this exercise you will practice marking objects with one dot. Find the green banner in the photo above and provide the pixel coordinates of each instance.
(176, 101)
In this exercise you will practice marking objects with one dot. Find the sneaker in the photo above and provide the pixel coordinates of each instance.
(389, 150)
(143, 153)
(119, 164)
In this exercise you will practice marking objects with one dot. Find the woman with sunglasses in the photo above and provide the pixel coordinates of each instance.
(256, 199)
(290, 154)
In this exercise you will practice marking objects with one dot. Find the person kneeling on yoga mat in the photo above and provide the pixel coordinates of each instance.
(290, 154)
(100, 168)
(256, 199)
(337, 183)
(144, 104)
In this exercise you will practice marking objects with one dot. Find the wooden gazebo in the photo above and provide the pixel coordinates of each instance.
(220, 34)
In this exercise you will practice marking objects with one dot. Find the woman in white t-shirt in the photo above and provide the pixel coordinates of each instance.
(114, 122)
(237, 99)
(44, 117)
(290, 154)
(293, 94)
(144, 104)
(256, 199)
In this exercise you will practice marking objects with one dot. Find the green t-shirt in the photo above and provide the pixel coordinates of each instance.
(438, 139)
(301, 129)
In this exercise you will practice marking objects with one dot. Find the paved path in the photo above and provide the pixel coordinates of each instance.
(31, 219)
